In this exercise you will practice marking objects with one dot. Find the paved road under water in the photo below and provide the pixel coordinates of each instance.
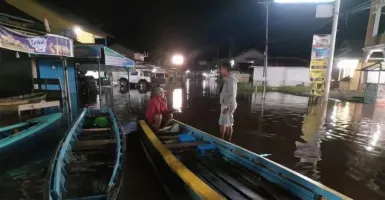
(340, 144)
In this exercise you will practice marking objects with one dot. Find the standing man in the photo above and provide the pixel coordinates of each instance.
(228, 100)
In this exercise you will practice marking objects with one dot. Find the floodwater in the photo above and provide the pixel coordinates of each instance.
(23, 173)
(339, 144)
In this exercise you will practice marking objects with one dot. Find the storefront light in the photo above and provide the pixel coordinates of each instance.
(348, 64)
(77, 30)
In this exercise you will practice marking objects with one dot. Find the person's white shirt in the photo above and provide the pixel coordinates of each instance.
(228, 96)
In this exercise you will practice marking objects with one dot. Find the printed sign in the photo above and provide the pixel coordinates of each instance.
(319, 62)
(318, 65)
(317, 88)
(320, 53)
(113, 58)
(87, 51)
(322, 41)
(317, 76)
(45, 45)
(139, 56)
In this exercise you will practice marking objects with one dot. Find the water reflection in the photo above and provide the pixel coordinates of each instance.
(177, 99)
(187, 89)
(309, 148)
(204, 87)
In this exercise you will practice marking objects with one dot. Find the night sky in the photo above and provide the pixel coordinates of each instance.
(201, 27)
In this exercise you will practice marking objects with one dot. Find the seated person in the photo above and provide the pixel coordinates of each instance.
(157, 113)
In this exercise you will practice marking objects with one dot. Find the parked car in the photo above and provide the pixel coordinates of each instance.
(143, 78)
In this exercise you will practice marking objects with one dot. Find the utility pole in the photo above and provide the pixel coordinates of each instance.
(336, 11)
(231, 46)
(266, 54)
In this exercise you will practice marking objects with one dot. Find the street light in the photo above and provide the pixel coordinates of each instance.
(177, 59)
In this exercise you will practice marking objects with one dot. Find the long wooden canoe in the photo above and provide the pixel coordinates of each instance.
(14, 136)
(21, 99)
(211, 168)
(11, 103)
(88, 163)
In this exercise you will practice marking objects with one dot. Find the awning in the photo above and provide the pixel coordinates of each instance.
(375, 67)
(48, 44)
(110, 60)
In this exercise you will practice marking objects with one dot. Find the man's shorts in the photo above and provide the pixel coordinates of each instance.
(227, 119)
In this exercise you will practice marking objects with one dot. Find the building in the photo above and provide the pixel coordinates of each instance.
(246, 59)
(374, 45)
(61, 22)
(282, 71)
(347, 59)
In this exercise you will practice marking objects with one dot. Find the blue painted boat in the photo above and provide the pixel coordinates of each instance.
(16, 135)
(210, 168)
(88, 163)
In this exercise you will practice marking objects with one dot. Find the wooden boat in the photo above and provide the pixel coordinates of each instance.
(15, 135)
(11, 103)
(88, 163)
(211, 168)
(21, 99)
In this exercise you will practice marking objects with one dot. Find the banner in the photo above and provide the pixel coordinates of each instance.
(45, 45)
(113, 58)
(319, 61)
(322, 41)
(318, 65)
(317, 76)
(317, 88)
(87, 51)
(320, 53)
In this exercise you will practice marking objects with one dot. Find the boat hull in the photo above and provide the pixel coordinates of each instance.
(180, 183)
(28, 137)
(230, 170)
(86, 156)
(11, 103)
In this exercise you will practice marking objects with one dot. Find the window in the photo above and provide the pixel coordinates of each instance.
(134, 73)
(146, 73)
(159, 75)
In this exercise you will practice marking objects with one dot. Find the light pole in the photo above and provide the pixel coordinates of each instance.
(176, 60)
(336, 11)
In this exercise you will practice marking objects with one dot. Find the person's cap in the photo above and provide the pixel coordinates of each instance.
(159, 89)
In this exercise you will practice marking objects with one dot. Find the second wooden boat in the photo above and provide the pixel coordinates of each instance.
(88, 163)
(16, 135)
(206, 167)
(11, 103)
(21, 99)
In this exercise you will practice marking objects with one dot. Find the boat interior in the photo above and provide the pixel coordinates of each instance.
(232, 171)
(228, 178)
(16, 129)
(90, 161)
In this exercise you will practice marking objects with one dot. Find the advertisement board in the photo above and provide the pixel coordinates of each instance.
(113, 58)
(44, 45)
(319, 61)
